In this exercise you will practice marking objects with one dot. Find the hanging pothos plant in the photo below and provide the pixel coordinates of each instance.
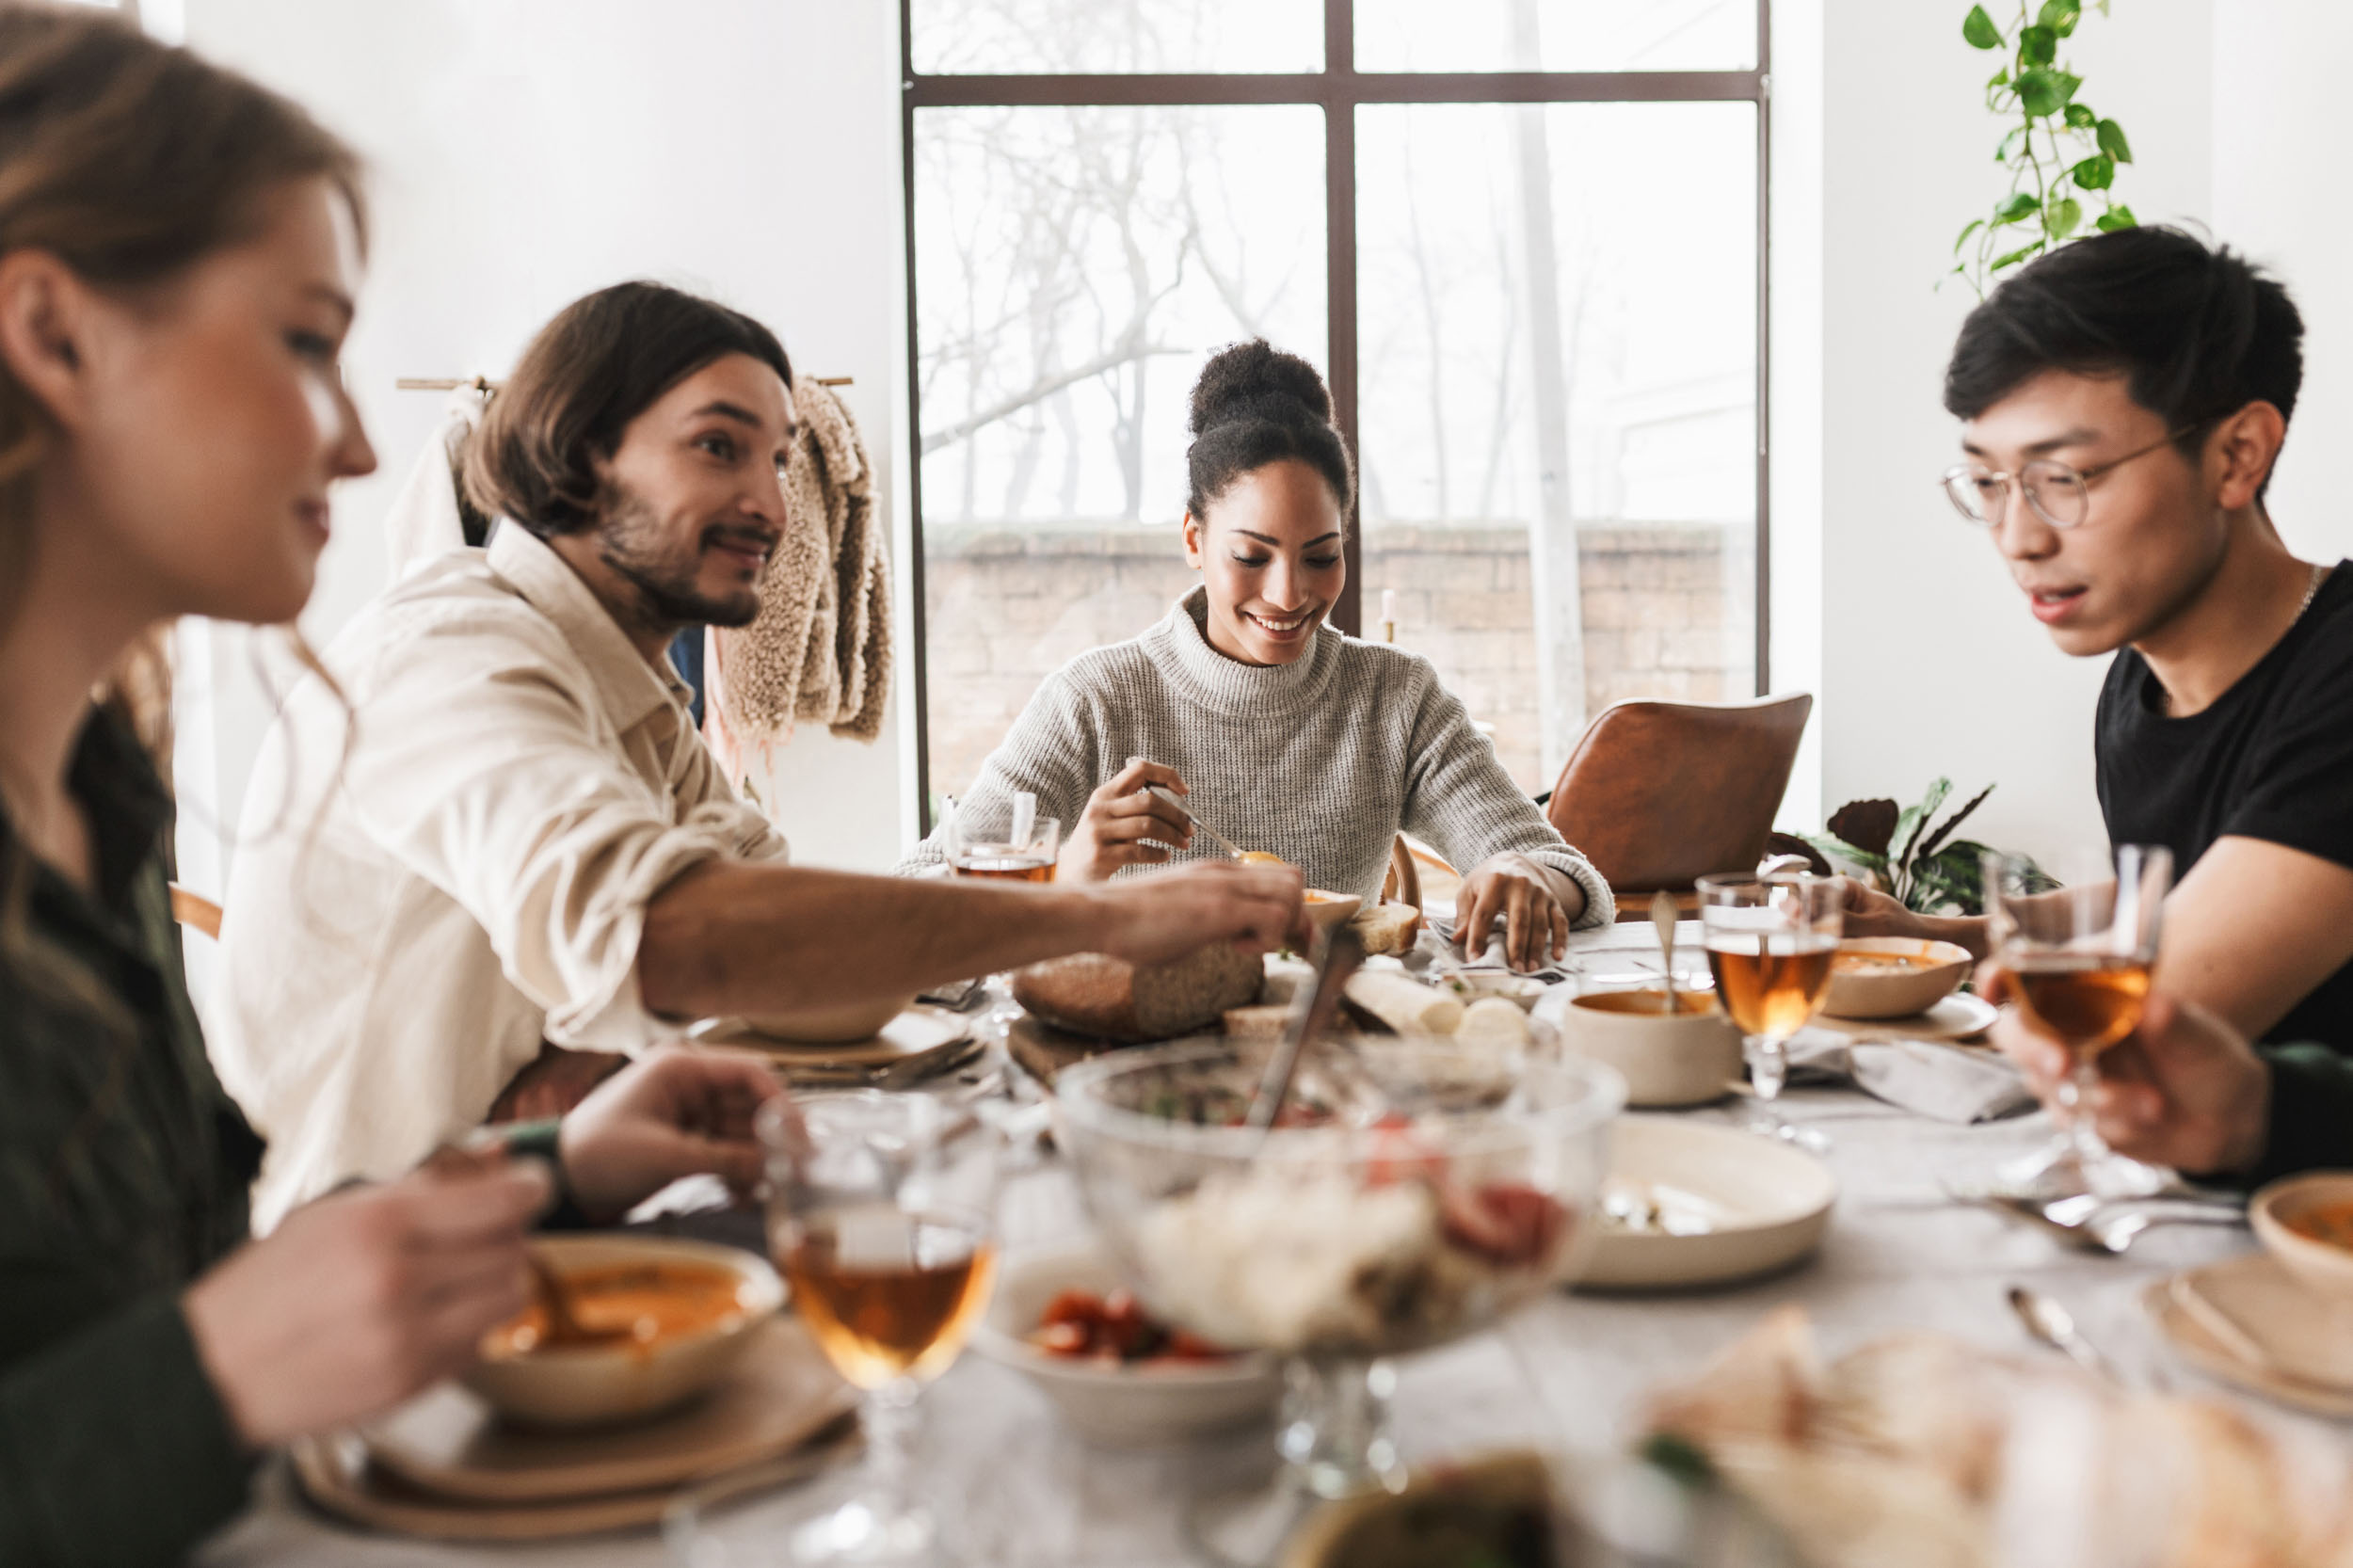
(2060, 152)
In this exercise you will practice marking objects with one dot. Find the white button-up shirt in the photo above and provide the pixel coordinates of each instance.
(410, 915)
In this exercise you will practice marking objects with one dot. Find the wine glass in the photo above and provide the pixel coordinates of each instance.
(1408, 1199)
(880, 1217)
(2077, 956)
(1771, 942)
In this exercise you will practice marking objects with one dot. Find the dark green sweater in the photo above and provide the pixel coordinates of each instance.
(2312, 1111)
(123, 1170)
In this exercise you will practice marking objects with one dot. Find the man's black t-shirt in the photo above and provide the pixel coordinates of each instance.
(2271, 760)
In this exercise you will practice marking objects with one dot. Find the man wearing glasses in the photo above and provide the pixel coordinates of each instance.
(2123, 400)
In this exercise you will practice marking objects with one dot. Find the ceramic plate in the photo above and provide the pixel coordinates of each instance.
(918, 1028)
(334, 1472)
(1960, 1017)
(1121, 1405)
(448, 1442)
(2216, 1315)
(1753, 1203)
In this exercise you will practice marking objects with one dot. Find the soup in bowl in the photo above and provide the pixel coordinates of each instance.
(653, 1321)
(1684, 1056)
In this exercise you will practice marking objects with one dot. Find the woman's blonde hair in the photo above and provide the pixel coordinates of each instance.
(129, 161)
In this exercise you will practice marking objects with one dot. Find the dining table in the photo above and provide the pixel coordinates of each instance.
(1570, 1373)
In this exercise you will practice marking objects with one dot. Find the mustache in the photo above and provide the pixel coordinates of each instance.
(736, 536)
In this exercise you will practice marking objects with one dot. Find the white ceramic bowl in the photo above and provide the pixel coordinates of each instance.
(1683, 1058)
(830, 1026)
(1929, 973)
(598, 1384)
(2318, 1265)
(1329, 909)
(1764, 1204)
(1129, 1406)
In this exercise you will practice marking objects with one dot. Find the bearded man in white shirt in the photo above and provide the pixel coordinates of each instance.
(495, 842)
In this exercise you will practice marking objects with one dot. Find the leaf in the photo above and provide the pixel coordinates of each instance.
(1937, 839)
(2060, 16)
(2112, 141)
(2015, 207)
(2080, 117)
(2067, 86)
(1979, 30)
(1796, 843)
(2117, 217)
(2014, 257)
(2038, 46)
(2009, 143)
(1916, 818)
(1974, 224)
(2097, 172)
(1867, 825)
(2040, 94)
(1999, 79)
(2063, 217)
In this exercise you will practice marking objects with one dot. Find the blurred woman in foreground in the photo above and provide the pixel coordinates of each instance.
(179, 254)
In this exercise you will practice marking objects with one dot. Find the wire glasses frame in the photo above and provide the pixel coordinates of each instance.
(2060, 494)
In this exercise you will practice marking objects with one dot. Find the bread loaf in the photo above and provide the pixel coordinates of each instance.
(1263, 1022)
(1090, 993)
(1387, 927)
(1403, 1003)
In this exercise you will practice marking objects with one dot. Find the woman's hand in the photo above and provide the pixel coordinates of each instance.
(1524, 895)
(366, 1296)
(677, 1112)
(1118, 818)
(2183, 1089)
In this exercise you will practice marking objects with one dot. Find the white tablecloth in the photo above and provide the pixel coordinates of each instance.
(1571, 1372)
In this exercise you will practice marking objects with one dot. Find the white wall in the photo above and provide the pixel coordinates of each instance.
(1928, 664)
(525, 151)
(2282, 123)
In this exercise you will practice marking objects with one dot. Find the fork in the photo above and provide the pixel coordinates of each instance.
(2093, 1224)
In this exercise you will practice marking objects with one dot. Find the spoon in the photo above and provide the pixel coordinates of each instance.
(564, 1326)
(2054, 1327)
(1663, 915)
(2096, 1224)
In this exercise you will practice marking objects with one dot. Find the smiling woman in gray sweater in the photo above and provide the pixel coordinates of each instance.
(1292, 737)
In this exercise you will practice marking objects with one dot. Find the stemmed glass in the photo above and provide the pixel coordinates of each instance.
(1771, 942)
(2077, 957)
(880, 1215)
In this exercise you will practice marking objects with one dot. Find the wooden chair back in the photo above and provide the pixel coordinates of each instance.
(195, 911)
(1658, 794)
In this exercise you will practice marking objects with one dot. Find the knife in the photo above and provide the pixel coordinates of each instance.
(1161, 792)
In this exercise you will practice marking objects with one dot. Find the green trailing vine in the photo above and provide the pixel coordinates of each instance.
(2060, 152)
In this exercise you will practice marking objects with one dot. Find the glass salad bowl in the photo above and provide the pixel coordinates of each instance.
(1408, 1197)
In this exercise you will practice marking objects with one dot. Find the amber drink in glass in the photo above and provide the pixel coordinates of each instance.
(2077, 956)
(1770, 941)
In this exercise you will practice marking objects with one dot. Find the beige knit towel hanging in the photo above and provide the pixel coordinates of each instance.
(821, 647)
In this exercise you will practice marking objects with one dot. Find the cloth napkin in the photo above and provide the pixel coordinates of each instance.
(1927, 1077)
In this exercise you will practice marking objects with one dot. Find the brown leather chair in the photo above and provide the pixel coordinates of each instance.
(1658, 794)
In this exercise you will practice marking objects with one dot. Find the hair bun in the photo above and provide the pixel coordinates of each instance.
(1257, 378)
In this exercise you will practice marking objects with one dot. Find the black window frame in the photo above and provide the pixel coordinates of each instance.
(1339, 89)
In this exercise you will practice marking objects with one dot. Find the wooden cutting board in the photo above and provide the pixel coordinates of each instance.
(1042, 1050)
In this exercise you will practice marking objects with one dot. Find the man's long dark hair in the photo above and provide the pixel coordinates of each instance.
(600, 362)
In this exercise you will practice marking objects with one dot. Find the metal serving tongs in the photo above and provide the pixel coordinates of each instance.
(1343, 954)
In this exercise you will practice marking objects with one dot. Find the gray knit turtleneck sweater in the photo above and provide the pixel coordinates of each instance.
(1321, 760)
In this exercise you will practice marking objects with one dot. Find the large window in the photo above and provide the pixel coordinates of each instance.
(1523, 239)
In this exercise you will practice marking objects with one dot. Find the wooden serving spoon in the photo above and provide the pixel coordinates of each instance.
(1663, 915)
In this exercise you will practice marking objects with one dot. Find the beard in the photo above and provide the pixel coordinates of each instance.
(630, 541)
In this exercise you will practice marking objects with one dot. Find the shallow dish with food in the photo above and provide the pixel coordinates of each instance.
(1522, 990)
(830, 1026)
(1150, 1401)
(2306, 1221)
(1685, 1057)
(1329, 909)
(1688, 1204)
(1893, 977)
(668, 1317)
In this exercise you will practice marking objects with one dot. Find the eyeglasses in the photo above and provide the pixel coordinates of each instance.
(2060, 493)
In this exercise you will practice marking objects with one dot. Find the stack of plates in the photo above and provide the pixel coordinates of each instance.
(444, 1467)
(918, 1044)
(2249, 1323)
